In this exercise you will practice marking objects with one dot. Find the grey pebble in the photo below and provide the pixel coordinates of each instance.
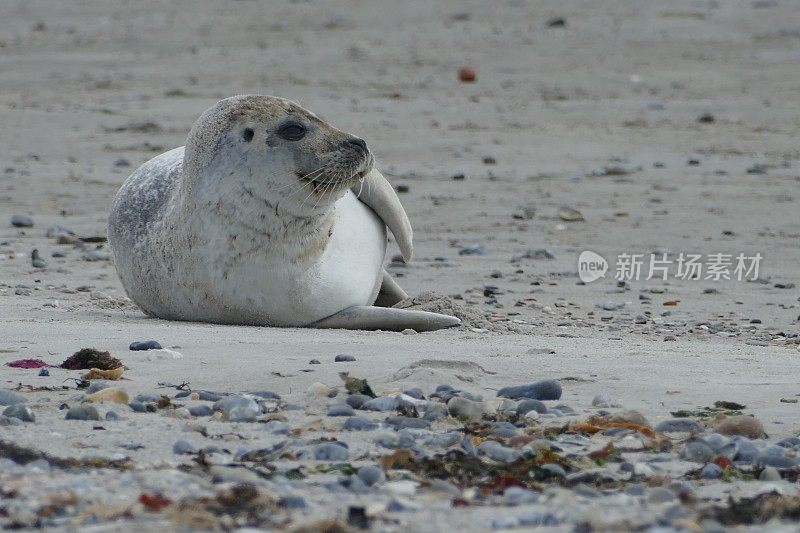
(526, 406)
(463, 408)
(10, 398)
(382, 403)
(229, 403)
(97, 386)
(341, 410)
(554, 470)
(370, 475)
(358, 423)
(547, 389)
(770, 473)
(357, 400)
(343, 358)
(498, 452)
(697, 452)
(314, 362)
(20, 411)
(775, 461)
(329, 451)
(201, 410)
(112, 416)
(21, 221)
(276, 427)
(292, 502)
(711, 471)
(209, 396)
(660, 495)
(82, 412)
(405, 422)
(678, 425)
(182, 447)
(137, 406)
(244, 413)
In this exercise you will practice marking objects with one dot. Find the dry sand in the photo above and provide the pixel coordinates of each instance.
(89, 90)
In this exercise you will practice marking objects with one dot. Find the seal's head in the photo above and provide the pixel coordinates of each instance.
(274, 150)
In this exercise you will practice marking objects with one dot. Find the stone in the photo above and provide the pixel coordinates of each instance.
(371, 475)
(357, 400)
(678, 425)
(358, 423)
(547, 389)
(660, 495)
(697, 452)
(382, 403)
(182, 447)
(144, 345)
(109, 394)
(292, 502)
(770, 473)
(82, 412)
(21, 221)
(740, 425)
(20, 411)
(318, 389)
(711, 471)
(137, 406)
(328, 451)
(8, 397)
(498, 452)
(526, 406)
(554, 470)
(463, 408)
(344, 358)
(776, 461)
(629, 417)
(112, 416)
(244, 413)
(201, 410)
(276, 427)
(341, 410)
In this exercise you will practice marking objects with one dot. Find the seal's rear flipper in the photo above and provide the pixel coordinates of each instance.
(386, 318)
(390, 292)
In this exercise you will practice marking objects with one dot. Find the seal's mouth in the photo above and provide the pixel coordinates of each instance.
(342, 170)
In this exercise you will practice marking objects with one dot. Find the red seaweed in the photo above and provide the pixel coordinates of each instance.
(28, 363)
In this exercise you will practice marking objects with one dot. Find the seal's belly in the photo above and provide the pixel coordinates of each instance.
(271, 290)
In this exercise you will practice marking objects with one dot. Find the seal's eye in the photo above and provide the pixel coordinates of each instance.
(247, 134)
(292, 131)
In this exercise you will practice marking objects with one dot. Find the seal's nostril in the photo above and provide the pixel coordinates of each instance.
(358, 142)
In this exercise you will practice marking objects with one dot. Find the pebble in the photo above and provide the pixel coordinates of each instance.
(82, 412)
(344, 358)
(498, 452)
(770, 473)
(463, 408)
(209, 396)
(20, 411)
(711, 471)
(112, 416)
(371, 475)
(329, 451)
(8, 397)
(357, 400)
(526, 406)
(43, 372)
(554, 470)
(201, 410)
(292, 502)
(314, 362)
(341, 410)
(137, 406)
(276, 427)
(660, 495)
(358, 423)
(244, 413)
(144, 345)
(182, 447)
(775, 461)
(740, 425)
(21, 221)
(678, 425)
(318, 389)
(547, 389)
(382, 403)
(697, 452)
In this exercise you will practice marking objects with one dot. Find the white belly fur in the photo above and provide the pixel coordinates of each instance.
(269, 289)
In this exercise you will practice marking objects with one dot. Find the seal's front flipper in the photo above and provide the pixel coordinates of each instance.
(390, 292)
(379, 195)
(386, 318)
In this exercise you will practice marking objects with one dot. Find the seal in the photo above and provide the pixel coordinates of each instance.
(268, 216)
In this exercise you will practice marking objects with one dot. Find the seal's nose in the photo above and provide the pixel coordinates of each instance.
(358, 142)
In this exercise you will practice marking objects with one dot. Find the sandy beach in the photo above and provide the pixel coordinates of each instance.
(614, 127)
